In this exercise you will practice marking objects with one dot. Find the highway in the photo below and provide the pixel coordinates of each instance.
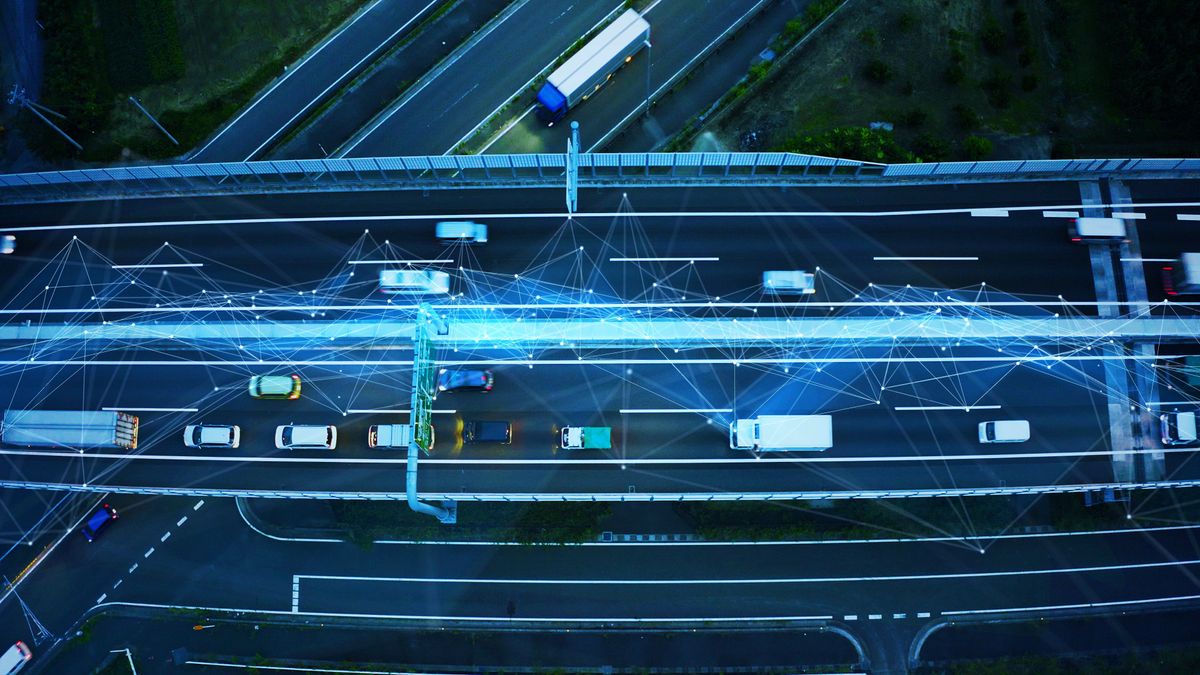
(337, 58)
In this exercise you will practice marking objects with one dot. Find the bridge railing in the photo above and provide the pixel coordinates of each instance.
(544, 170)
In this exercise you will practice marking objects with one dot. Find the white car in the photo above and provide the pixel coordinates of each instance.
(15, 658)
(8, 244)
(212, 435)
(413, 282)
(1004, 431)
(788, 282)
(461, 230)
(306, 437)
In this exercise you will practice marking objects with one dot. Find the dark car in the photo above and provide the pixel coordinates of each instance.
(98, 521)
(471, 380)
(478, 431)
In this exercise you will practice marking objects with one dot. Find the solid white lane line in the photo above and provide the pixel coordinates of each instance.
(286, 75)
(124, 409)
(198, 505)
(964, 258)
(389, 411)
(563, 215)
(338, 80)
(965, 408)
(415, 261)
(148, 553)
(181, 521)
(165, 536)
(1060, 214)
(1147, 259)
(751, 582)
(655, 411)
(1187, 216)
(1155, 404)
(574, 461)
(664, 259)
(1081, 605)
(1125, 215)
(155, 266)
(507, 128)
(989, 213)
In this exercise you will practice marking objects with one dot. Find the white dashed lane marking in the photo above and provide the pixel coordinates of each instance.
(119, 582)
(131, 569)
(102, 598)
(181, 521)
(149, 553)
(165, 536)
(198, 505)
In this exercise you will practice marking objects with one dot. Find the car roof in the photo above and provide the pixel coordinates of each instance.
(98, 518)
(303, 434)
(210, 433)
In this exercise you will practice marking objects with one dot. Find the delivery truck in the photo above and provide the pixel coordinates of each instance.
(392, 436)
(782, 433)
(593, 65)
(78, 429)
(585, 438)
(1183, 277)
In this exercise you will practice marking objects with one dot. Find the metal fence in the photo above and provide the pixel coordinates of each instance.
(545, 170)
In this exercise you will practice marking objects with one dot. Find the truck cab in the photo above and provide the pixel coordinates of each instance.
(1178, 428)
(585, 438)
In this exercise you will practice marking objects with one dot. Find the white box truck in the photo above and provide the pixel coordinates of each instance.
(782, 433)
(590, 67)
(1178, 428)
(1184, 276)
(78, 429)
(392, 436)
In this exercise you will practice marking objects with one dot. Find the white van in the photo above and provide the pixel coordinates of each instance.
(413, 282)
(306, 437)
(461, 230)
(1004, 431)
(15, 658)
(1096, 229)
(1178, 428)
(790, 282)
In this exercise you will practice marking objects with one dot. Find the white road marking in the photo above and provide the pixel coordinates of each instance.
(965, 408)
(148, 553)
(102, 598)
(922, 615)
(198, 505)
(1187, 216)
(751, 582)
(1125, 215)
(181, 521)
(900, 616)
(11, 587)
(485, 461)
(850, 617)
(1156, 404)
(155, 266)
(507, 127)
(1060, 214)
(123, 409)
(432, 261)
(399, 411)
(563, 215)
(410, 95)
(874, 617)
(1043, 608)
(119, 582)
(949, 258)
(663, 259)
(655, 411)
(165, 536)
(574, 461)
(1157, 260)
(989, 213)
(131, 569)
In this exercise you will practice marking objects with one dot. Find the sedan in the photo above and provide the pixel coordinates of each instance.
(212, 435)
(466, 380)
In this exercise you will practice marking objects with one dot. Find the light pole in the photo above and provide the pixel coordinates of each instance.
(648, 54)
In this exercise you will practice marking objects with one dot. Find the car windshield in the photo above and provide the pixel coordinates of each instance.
(287, 435)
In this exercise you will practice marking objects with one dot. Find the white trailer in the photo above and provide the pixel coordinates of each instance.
(590, 67)
(782, 433)
(78, 429)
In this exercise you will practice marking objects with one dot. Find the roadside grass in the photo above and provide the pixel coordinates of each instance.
(978, 79)
(1182, 660)
(526, 523)
(229, 51)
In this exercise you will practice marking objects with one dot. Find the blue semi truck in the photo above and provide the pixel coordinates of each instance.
(589, 68)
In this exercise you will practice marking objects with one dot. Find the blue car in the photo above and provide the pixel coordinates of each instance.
(464, 380)
(98, 521)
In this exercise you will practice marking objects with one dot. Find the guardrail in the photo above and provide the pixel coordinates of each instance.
(546, 170)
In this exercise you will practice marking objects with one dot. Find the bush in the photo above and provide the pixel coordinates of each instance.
(992, 36)
(915, 118)
(998, 89)
(931, 148)
(142, 41)
(1029, 82)
(758, 71)
(965, 117)
(878, 71)
(868, 37)
(977, 147)
(1020, 18)
(955, 74)
(861, 143)
(906, 21)
(1025, 58)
